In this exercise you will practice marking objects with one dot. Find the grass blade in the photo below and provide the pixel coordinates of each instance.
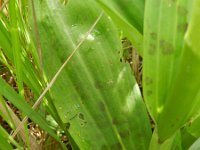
(5, 137)
(20, 103)
(4, 144)
(15, 45)
(11, 118)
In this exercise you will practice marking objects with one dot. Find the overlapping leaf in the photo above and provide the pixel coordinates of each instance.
(173, 143)
(183, 94)
(131, 10)
(170, 65)
(130, 22)
(187, 139)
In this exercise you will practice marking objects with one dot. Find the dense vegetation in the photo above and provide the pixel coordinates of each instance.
(103, 74)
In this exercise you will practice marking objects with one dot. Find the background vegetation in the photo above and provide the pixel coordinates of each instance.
(101, 74)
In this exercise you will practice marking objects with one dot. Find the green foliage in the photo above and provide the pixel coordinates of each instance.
(71, 52)
(127, 26)
(195, 145)
(94, 92)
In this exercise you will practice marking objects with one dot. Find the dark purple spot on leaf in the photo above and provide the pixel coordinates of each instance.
(118, 121)
(116, 146)
(67, 125)
(148, 81)
(104, 147)
(172, 125)
(149, 93)
(83, 123)
(182, 11)
(81, 116)
(167, 47)
(182, 27)
(152, 49)
(102, 106)
(124, 134)
(174, 1)
(98, 85)
(159, 141)
(153, 35)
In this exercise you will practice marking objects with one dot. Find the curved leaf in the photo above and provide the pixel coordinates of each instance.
(131, 10)
(129, 29)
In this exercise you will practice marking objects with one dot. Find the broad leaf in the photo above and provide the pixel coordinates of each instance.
(170, 76)
(182, 95)
(96, 96)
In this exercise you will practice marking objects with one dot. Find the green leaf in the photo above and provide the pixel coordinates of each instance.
(182, 99)
(168, 61)
(128, 29)
(16, 49)
(163, 42)
(192, 42)
(130, 10)
(30, 76)
(187, 139)
(4, 40)
(173, 143)
(25, 69)
(4, 144)
(96, 96)
(183, 92)
(195, 145)
(5, 136)
(192, 35)
(193, 128)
